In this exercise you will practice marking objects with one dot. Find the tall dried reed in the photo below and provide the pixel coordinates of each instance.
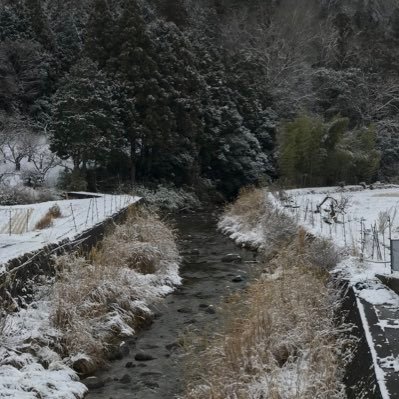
(280, 339)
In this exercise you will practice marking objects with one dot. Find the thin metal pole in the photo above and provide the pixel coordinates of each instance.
(73, 217)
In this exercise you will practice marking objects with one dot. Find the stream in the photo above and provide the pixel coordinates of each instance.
(193, 306)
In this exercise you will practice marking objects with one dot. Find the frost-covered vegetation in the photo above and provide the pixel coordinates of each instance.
(167, 198)
(249, 219)
(281, 338)
(207, 100)
(92, 303)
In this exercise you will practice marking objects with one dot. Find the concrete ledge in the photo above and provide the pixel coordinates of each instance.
(390, 281)
(360, 378)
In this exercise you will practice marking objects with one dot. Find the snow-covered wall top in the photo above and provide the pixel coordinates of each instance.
(19, 235)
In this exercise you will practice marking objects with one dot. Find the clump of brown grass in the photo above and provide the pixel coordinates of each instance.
(99, 298)
(144, 243)
(253, 215)
(247, 207)
(279, 340)
(47, 220)
(84, 296)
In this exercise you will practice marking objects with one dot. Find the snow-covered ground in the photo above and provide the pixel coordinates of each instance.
(18, 234)
(30, 368)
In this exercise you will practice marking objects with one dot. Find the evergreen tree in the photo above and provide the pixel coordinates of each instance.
(101, 33)
(69, 43)
(174, 11)
(84, 124)
(40, 24)
(13, 23)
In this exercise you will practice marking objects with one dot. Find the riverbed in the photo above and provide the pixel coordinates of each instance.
(153, 363)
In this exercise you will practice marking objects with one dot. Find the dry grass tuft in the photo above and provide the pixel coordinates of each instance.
(252, 220)
(85, 295)
(144, 243)
(99, 299)
(247, 205)
(47, 220)
(279, 340)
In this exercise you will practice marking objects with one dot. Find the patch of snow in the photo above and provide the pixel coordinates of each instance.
(19, 236)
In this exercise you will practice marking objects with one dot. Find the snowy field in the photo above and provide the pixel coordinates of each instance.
(360, 222)
(19, 235)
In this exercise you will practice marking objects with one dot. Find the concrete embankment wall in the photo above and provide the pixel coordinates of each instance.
(360, 378)
(24, 272)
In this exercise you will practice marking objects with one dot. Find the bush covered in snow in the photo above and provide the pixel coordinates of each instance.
(21, 195)
(167, 198)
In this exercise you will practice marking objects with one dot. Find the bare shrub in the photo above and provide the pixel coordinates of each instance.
(17, 195)
(322, 254)
(45, 222)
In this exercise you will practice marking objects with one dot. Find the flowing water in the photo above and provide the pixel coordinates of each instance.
(194, 306)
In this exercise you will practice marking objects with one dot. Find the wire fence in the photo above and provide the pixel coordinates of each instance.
(369, 241)
(18, 221)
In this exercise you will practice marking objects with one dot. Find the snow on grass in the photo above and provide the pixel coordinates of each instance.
(24, 339)
(77, 216)
(279, 338)
(89, 304)
(283, 341)
(358, 222)
(249, 219)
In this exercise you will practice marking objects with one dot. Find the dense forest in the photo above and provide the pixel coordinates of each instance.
(220, 93)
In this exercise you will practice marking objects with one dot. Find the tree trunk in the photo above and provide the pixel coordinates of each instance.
(76, 164)
(133, 162)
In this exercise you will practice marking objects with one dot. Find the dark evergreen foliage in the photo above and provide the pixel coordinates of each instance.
(194, 90)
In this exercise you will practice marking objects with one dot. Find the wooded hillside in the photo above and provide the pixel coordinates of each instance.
(205, 92)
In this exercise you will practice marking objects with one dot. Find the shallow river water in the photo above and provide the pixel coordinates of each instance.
(194, 306)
